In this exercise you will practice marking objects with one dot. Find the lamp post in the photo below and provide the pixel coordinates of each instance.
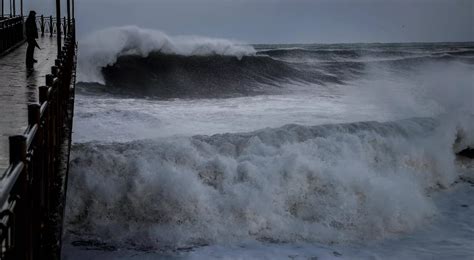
(68, 3)
(58, 25)
(68, 14)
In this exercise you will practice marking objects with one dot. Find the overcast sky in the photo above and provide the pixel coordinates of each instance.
(284, 21)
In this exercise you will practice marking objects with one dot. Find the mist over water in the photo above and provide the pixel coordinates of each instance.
(184, 142)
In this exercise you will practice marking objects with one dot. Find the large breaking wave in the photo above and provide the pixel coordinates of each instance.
(329, 183)
(104, 47)
(143, 62)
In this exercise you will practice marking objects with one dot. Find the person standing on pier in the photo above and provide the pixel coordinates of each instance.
(31, 36)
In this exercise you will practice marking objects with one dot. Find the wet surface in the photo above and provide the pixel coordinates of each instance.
(18, 87)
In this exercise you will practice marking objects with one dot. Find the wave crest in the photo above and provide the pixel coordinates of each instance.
(102, 48)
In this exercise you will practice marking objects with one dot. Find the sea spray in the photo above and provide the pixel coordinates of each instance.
(330, 183)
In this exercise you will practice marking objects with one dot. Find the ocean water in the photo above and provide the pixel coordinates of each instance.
(188, 147)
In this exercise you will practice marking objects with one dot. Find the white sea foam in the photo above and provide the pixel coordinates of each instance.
(333, 183)
(103, 47)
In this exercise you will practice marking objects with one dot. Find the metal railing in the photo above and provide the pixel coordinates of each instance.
(12, 29)
(47, 24)
(32, 190)
(11, 32)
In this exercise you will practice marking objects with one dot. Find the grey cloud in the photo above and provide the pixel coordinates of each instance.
(285, 21)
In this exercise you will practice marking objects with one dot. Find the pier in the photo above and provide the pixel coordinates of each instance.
(37, 108)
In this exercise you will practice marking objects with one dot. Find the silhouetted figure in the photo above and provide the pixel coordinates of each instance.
(31, 36)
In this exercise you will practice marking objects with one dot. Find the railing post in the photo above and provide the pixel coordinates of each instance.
(42, 25)
(35, 174)
(54, 71)
(64, 27)
(17, 149)
(18, 153)
(34, 114)
(49, 79)
(51, 28)
(43, 94)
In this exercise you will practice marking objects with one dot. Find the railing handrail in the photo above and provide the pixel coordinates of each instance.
(9, 16)
(10, 20)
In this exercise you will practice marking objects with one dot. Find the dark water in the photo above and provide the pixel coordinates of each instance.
(270, 69)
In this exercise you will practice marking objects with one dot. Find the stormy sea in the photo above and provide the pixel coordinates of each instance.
(187, 147)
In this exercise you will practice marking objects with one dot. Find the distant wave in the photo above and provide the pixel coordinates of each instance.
(171, 76)
(102, 48)
(331, 183)
(178, 76)
(331, 55)
(142, 62)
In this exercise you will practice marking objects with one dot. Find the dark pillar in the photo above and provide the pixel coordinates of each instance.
(14, 8)
(43, 94)
(21, 8)
(51, 29)
(18, 153)
(34, 114)
(3, 12)
(17, 149)
(68, 14)
(73, 11)
(58, 25)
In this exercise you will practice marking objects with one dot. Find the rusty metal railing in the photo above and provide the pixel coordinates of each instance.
(11, 32)
(32, 190)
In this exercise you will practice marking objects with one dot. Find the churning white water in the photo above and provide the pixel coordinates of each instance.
(330, 165)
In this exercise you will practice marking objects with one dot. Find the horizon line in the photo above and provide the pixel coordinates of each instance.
(327, 43)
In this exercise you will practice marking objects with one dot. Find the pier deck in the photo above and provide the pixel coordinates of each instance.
(18, 88)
